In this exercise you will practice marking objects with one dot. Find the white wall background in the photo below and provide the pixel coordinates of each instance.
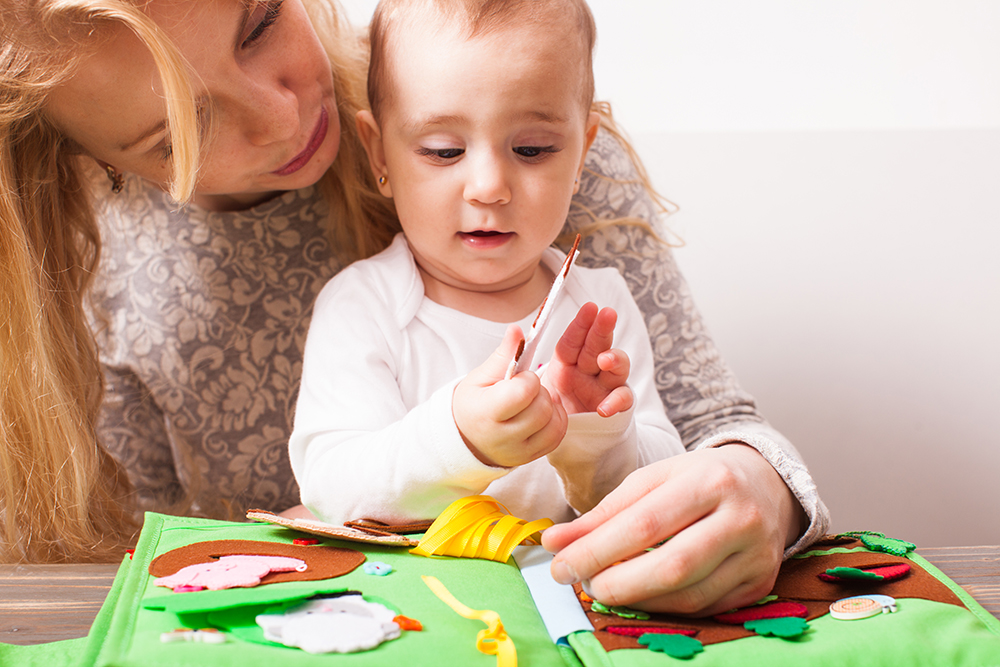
(837, 167)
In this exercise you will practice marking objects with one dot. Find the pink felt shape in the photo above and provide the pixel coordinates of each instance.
(770, 610)
(889, 572)
(230, 572)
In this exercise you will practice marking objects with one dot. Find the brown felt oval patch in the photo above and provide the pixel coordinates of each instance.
(322, 562)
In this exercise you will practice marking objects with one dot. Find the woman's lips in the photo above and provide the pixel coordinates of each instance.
(300, 160)
(483, 240)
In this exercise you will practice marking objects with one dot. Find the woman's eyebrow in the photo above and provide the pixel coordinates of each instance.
(203, 107)
(156, 129)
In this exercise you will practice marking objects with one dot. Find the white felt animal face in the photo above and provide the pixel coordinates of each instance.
(335, 625)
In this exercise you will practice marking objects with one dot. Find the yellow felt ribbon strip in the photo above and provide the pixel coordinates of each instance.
(477, 527)
(491, 641)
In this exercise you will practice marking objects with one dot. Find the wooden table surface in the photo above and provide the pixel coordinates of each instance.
(43, 603)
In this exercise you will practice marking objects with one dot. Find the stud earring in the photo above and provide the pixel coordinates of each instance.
(382, 180)
(117, 180)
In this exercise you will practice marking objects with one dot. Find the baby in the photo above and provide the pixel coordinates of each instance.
(481, 119)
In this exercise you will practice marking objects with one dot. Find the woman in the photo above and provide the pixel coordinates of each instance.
(244, 111)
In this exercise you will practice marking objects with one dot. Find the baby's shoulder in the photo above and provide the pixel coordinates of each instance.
(384, 283)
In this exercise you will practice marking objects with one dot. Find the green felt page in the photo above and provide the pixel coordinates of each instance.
(131, 635)
(921, 633)
(126, 631)
(54, 654)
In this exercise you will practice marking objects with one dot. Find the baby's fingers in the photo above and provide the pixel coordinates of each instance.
(615, 366)
(547, 438)
(572, 341)
(619, 400)
(599, 340)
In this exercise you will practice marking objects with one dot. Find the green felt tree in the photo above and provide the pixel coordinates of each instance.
(879, 542)
(853, 573)
(786, 627)
(618, 610)
(677, 646)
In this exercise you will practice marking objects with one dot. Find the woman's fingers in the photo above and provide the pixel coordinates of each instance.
(635, 486)
(728, 512)
(640, 513)
(696, 572)
(737, 581)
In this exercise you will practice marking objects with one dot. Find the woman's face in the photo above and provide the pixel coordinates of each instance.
(262, 76)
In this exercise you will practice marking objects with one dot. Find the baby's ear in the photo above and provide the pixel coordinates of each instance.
(371, 139)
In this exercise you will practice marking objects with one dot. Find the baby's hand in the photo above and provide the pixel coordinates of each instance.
(507, 422)
(585, 373)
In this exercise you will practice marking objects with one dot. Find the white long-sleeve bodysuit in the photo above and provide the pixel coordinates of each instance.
(374, 434)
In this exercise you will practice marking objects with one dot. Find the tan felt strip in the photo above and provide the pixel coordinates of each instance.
(396, 528)
(314, 527)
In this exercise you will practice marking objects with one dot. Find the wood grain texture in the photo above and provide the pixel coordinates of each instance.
(976, 569)
(43, 603)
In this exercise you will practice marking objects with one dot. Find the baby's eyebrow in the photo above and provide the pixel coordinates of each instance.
(542, 116)
(417, 124)
(413, 125)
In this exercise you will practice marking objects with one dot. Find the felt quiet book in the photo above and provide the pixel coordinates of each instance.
(204, 592)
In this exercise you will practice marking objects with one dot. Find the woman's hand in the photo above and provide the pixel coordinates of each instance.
(507, 422)
(585, 372)
(728, 516)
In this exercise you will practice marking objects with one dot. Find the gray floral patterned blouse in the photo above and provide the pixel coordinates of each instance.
(202, 318)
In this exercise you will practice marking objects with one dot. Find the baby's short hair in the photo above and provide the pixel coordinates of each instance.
(476, 18)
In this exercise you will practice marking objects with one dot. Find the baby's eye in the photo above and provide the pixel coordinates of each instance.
(442, 153)
(534, 151)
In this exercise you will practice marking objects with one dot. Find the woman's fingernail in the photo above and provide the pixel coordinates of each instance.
(563, 573)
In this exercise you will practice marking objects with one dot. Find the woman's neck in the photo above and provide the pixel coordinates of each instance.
(237, 202)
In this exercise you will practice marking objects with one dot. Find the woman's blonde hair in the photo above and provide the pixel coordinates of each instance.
(62, 496)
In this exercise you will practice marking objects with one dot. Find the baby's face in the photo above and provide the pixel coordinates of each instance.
(484, 139)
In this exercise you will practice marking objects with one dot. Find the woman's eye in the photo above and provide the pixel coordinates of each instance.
(261, 20)
(533, 151)
(442, 153)
(166, 150)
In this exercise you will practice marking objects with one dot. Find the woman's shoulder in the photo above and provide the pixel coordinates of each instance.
(608, 157)
(613, 186)
(171, 269)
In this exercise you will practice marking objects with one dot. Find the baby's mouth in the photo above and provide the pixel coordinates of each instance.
(485, 237)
